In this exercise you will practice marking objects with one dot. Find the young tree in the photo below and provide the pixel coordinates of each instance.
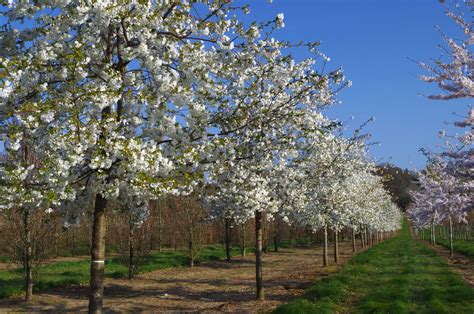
(454, 77)
(445, 187)
(251, 197)
(136, 234)
(193, 217)
(25, 239)
(441, 197)
(33, 177)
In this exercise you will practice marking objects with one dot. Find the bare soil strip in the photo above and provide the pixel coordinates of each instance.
(461, 264)
(216, 286)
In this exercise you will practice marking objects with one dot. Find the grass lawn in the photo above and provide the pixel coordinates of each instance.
(62, 274)
(399, 275)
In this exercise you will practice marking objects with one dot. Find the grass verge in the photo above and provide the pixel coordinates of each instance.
(465, 247)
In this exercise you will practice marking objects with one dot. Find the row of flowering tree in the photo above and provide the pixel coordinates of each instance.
(106, 102)
(446, 185)
(322, 181)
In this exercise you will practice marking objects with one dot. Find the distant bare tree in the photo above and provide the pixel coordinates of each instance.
(192, 218)
(134, 244)
(25, 237)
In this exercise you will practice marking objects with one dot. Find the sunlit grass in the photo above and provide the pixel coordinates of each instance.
(399, 275)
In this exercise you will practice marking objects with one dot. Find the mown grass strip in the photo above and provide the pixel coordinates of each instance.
(465, 247)
(400, 275)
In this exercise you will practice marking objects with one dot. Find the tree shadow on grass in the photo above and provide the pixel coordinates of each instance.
(10, 287)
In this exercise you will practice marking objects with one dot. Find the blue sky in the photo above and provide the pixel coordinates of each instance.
(374, 40)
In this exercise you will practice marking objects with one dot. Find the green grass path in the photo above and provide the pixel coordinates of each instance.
(400, 275)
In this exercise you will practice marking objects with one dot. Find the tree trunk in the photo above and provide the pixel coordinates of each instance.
(292, 238)
(354, 247)
(28, 267)
(451, 249)
(68, 247)
(264, 237)
(73, 241)
(243, 247)
(159, 230)
(175, 242)
(275, 243)
(130, 250)
(191, 245)
(325, 247)
(276, 236)
(55, 253)
(227, 238)
(364, 238)
(431, 233)
(258, 255)
(96, 294)
(336, 247)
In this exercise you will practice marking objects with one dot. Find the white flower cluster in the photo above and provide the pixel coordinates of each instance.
(321, 180)
(130, 102)
(446, 185)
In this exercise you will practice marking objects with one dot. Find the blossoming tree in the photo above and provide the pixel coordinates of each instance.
(142, 96)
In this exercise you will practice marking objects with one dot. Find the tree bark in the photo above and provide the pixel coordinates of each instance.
(96, 294)
(264, 237)
(275, 243)
(28, 267)
(73, 241)
(354, 247)
(431, 233)
(276, 236)
(227, 239)
(451, 249)
(130, 249)
(258, 255)
(191, 244)
(367, 237)
(243, 248)
(292, 238)
(159, 230)
(336, 247)
(55, 253)
(364, 237)
(325, 247)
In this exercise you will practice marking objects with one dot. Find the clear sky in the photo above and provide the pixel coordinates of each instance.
(374, 40)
